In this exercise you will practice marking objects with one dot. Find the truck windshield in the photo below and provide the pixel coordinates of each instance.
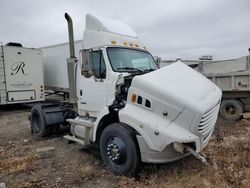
(129, 60)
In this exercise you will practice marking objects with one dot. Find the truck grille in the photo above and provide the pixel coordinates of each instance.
(207, 123)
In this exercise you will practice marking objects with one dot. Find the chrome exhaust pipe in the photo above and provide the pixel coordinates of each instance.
(71, 35)
(71, 61)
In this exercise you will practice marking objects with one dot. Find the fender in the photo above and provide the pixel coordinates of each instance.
(104, 112)
(156, 134)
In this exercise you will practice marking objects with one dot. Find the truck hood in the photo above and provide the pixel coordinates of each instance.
(177, 84)
(166, 106)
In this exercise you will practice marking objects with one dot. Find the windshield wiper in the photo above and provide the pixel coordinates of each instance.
(148, 70)
(130, 68)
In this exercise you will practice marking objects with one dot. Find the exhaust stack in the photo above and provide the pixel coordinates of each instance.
(71, 35)
(71, 61)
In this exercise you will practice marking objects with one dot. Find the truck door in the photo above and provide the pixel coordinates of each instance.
(93, 90)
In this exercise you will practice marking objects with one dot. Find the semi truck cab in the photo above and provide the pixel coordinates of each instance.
(132, 110)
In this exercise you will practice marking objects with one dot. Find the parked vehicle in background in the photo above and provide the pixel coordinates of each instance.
(231, 76)
(55, 67)
(21, 74)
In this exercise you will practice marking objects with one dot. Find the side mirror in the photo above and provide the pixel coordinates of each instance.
(86, 64)
(157, 61)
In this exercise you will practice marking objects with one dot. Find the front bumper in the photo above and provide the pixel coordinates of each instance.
(151, 156)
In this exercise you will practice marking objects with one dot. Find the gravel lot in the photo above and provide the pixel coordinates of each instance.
(69, 165)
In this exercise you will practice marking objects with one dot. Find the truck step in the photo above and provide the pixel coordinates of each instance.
(74, 139)
(87, 123)
(83, 121)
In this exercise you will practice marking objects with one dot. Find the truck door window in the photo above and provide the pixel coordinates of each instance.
(98, 64)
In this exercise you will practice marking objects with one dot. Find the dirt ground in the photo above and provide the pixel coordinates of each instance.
(69, 165)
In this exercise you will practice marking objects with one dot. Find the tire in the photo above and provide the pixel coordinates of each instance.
(231, 109)
(37, 121)
(119, 150)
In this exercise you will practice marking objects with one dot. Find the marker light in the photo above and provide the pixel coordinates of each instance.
(113, 42)
(125, 43)
(133, 97)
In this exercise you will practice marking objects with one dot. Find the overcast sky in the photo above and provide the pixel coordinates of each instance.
(170, 29)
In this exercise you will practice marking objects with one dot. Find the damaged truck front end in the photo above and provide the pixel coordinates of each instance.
(174, 110)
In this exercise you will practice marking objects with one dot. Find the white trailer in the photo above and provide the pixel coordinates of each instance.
(55, 66)
(21, 74)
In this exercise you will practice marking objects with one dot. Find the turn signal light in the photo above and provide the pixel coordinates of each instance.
(133, 97)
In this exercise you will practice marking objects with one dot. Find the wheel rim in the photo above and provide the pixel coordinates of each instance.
(116, 150)
(36, 123)
(230, 110)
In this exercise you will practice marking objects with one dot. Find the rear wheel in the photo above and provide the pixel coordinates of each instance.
(119, 150)
(37, 121)
(231, 109)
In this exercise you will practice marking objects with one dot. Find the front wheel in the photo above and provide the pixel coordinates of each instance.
(119, 150)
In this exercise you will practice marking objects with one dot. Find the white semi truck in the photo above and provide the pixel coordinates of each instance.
(132, 110)
(21, 74)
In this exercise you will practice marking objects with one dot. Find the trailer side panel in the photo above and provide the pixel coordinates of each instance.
(23, 75)
(55, 65)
